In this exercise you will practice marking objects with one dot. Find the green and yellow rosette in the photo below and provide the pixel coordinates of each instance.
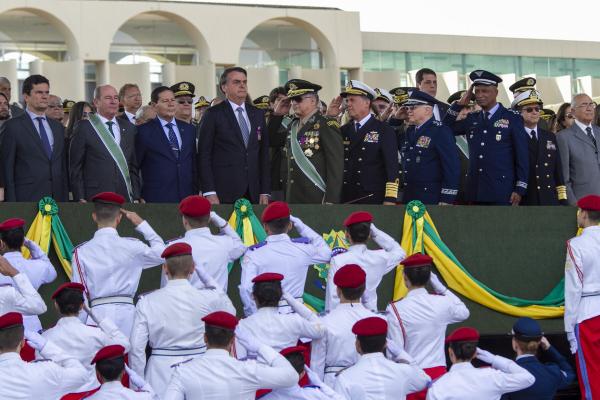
(246, 224)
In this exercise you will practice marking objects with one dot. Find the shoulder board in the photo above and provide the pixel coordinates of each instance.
(338, 250)
(437, 123)
(174, 239)
(301, 240)
(257, 246)
(182, 362)
(514, 111)
(333, 123)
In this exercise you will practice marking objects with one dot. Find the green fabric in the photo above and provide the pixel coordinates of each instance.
(257, 229)
(60, 236)
(303, 162)
(314, 302)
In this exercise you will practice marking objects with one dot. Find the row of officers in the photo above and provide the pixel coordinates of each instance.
(183, 341)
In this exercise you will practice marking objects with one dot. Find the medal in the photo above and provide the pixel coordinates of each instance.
(308, 153)
(498, 137)
(317, 147)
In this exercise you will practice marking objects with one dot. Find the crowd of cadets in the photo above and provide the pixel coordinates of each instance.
(368, 146)
(183, 341)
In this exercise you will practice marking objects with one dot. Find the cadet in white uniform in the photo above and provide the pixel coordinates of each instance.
(281, 254)
(20, 296)
(417, 323)
(38, 268)
(465, 382)
(376, 263)
(110, 266)
(77, 339)
(582, 296)
(170, 319)
(374, 377)
(274, 329)
(212, 253)
(218, 376)
(336, 350)
(317, 390)
(36, 380)
(110, 366)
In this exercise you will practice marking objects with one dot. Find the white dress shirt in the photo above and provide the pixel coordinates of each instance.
(131, 117)
(49, 133)
(173, 121)
(115, 127)
(218, 376)
(245, 113)
(170, 321)
(529, 130)
(424, 320)
(21, 297)
(375, 263)
(115, 390)
(582, 278)
(363, 121)
(583, 127)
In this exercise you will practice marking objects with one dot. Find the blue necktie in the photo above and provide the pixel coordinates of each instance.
(44, 137)
(243, 126)
(173, 140)
(357, 127)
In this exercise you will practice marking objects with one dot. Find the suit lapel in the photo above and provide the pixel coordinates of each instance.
(165, 146)
(183, 132)
(232, 117)
(29, 127)
(57, 148)
(581, 135)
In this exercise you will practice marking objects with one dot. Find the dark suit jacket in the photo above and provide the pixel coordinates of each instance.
(92, 168)
(166, 179)
(226, 166)
(28, 174)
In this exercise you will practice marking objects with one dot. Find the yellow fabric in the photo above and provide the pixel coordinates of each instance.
(39, 232)
(457, 279)
(64, 262)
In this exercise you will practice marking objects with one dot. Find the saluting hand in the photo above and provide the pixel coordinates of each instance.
(282, 106)
(335, 107)
(132, 216)
(466, 97)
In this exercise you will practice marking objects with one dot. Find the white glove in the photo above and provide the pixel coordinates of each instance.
(134, 378)
(296, 221)
(485, 356)
(374, 231)
(206, 278)
(437, 285)
(572, 342)
(217, 220)
(35, 250)
(299, 308)
(35, 340)
(247, 339)
(314, 378)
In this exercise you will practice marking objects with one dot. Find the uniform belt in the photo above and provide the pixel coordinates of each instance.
(334, 369)
(111, 300)
(284, 303)
(192, 351)
(592, 294)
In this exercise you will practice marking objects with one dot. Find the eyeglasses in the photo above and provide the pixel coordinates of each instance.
(586, 105)
(183, 101)
(532, 109)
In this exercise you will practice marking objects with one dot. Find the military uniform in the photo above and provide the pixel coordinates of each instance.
(21, 297)
(498, 159)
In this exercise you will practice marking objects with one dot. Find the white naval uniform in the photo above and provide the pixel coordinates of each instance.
(375, 263)
(218, 376)
(212, 253)
(582, 278)
(336, 350)
(20, 380)
(286, 256)
(465, 382)
(21, 297)
(39, 270)
(112, 266)
(424, 320)
(170, 321)
(277, 330)
(82, 342)
(374, 377)
(115, 390)
(297, 393)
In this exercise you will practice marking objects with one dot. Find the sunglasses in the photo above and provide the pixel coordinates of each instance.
(532, 109)
(182, 101)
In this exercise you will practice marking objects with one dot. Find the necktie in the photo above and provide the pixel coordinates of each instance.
(243, 126)
(486, 116)
(173, 140)
(110, 125)
(44, 137)
(591, 135)
(534, 135)
(357, 126)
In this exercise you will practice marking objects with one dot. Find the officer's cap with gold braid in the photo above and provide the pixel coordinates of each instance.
(299, 87)
(400, 94)
(201, 102)
(261, 102)
(481, 77)
(526, 98)
(547, 114)
(384, 95)
(419, 98)
(522, 85)
(457, 95)
(183, 89)
(358, 88)
(67, 105)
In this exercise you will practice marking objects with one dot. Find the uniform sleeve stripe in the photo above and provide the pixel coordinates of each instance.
(579, 271)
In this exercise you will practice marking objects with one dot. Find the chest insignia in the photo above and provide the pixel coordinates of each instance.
(372, 137)
(498, 137)
(423, 141)
(501, 123)
(550, 145)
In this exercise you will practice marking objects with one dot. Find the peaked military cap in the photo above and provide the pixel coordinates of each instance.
(261, 102)
(419, 98)
(67, 105)
(457, 95)
(299, 87)
(358, 88)
(201, 102)
(522, 85)
(183, 89)
(400, 94)
(481, 77)
(384, 95)
(530, 96)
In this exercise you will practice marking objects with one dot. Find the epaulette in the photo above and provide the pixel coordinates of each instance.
(437, 123)
(301, 240)
(172, 240)
(257, 245)
(182, 362)
(514, 111)
(333, 123)
(338, 250)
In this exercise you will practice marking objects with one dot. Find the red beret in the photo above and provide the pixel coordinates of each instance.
(293, 349)
(349, 276)
(372, 326)
(358, 217)
(108, 353)
(177, 249)
(417, 260)
(11, 319)
(68, 285)
(275, 210)
(12, 223)
(194, 206)
(268, 277)
(221, 319)
(109, 198)
(463, 335)
(589, 203)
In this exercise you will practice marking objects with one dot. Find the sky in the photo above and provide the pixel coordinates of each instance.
(552, 19)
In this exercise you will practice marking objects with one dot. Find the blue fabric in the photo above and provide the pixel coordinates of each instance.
(173, 140)
(243, 126)
(44, 137)
(582, 367)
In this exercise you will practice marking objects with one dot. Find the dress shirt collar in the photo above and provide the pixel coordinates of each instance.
(216, 353)
(363, 121)
(417, 292)
(205, 231)
(282, 237)
(461, 365)
(33, 115)
(164, 122)
(105, 120)
(359, 247)
(235, 106)
(583, 126)
(111, 385)
(68, 321)
(493, 110)
(10, 356)
(178, 283)
(529, 130)
(106, 231)
(129, 115)
(374, 356)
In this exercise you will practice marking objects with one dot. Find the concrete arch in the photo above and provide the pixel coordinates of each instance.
(70, 39)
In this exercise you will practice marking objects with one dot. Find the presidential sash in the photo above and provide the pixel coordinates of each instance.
(307, 168)
(114, 150)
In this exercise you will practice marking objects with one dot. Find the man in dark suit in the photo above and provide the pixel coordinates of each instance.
(32, 154)
(426, 80)
(233, 151)
(102, 154)
(165, 148)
